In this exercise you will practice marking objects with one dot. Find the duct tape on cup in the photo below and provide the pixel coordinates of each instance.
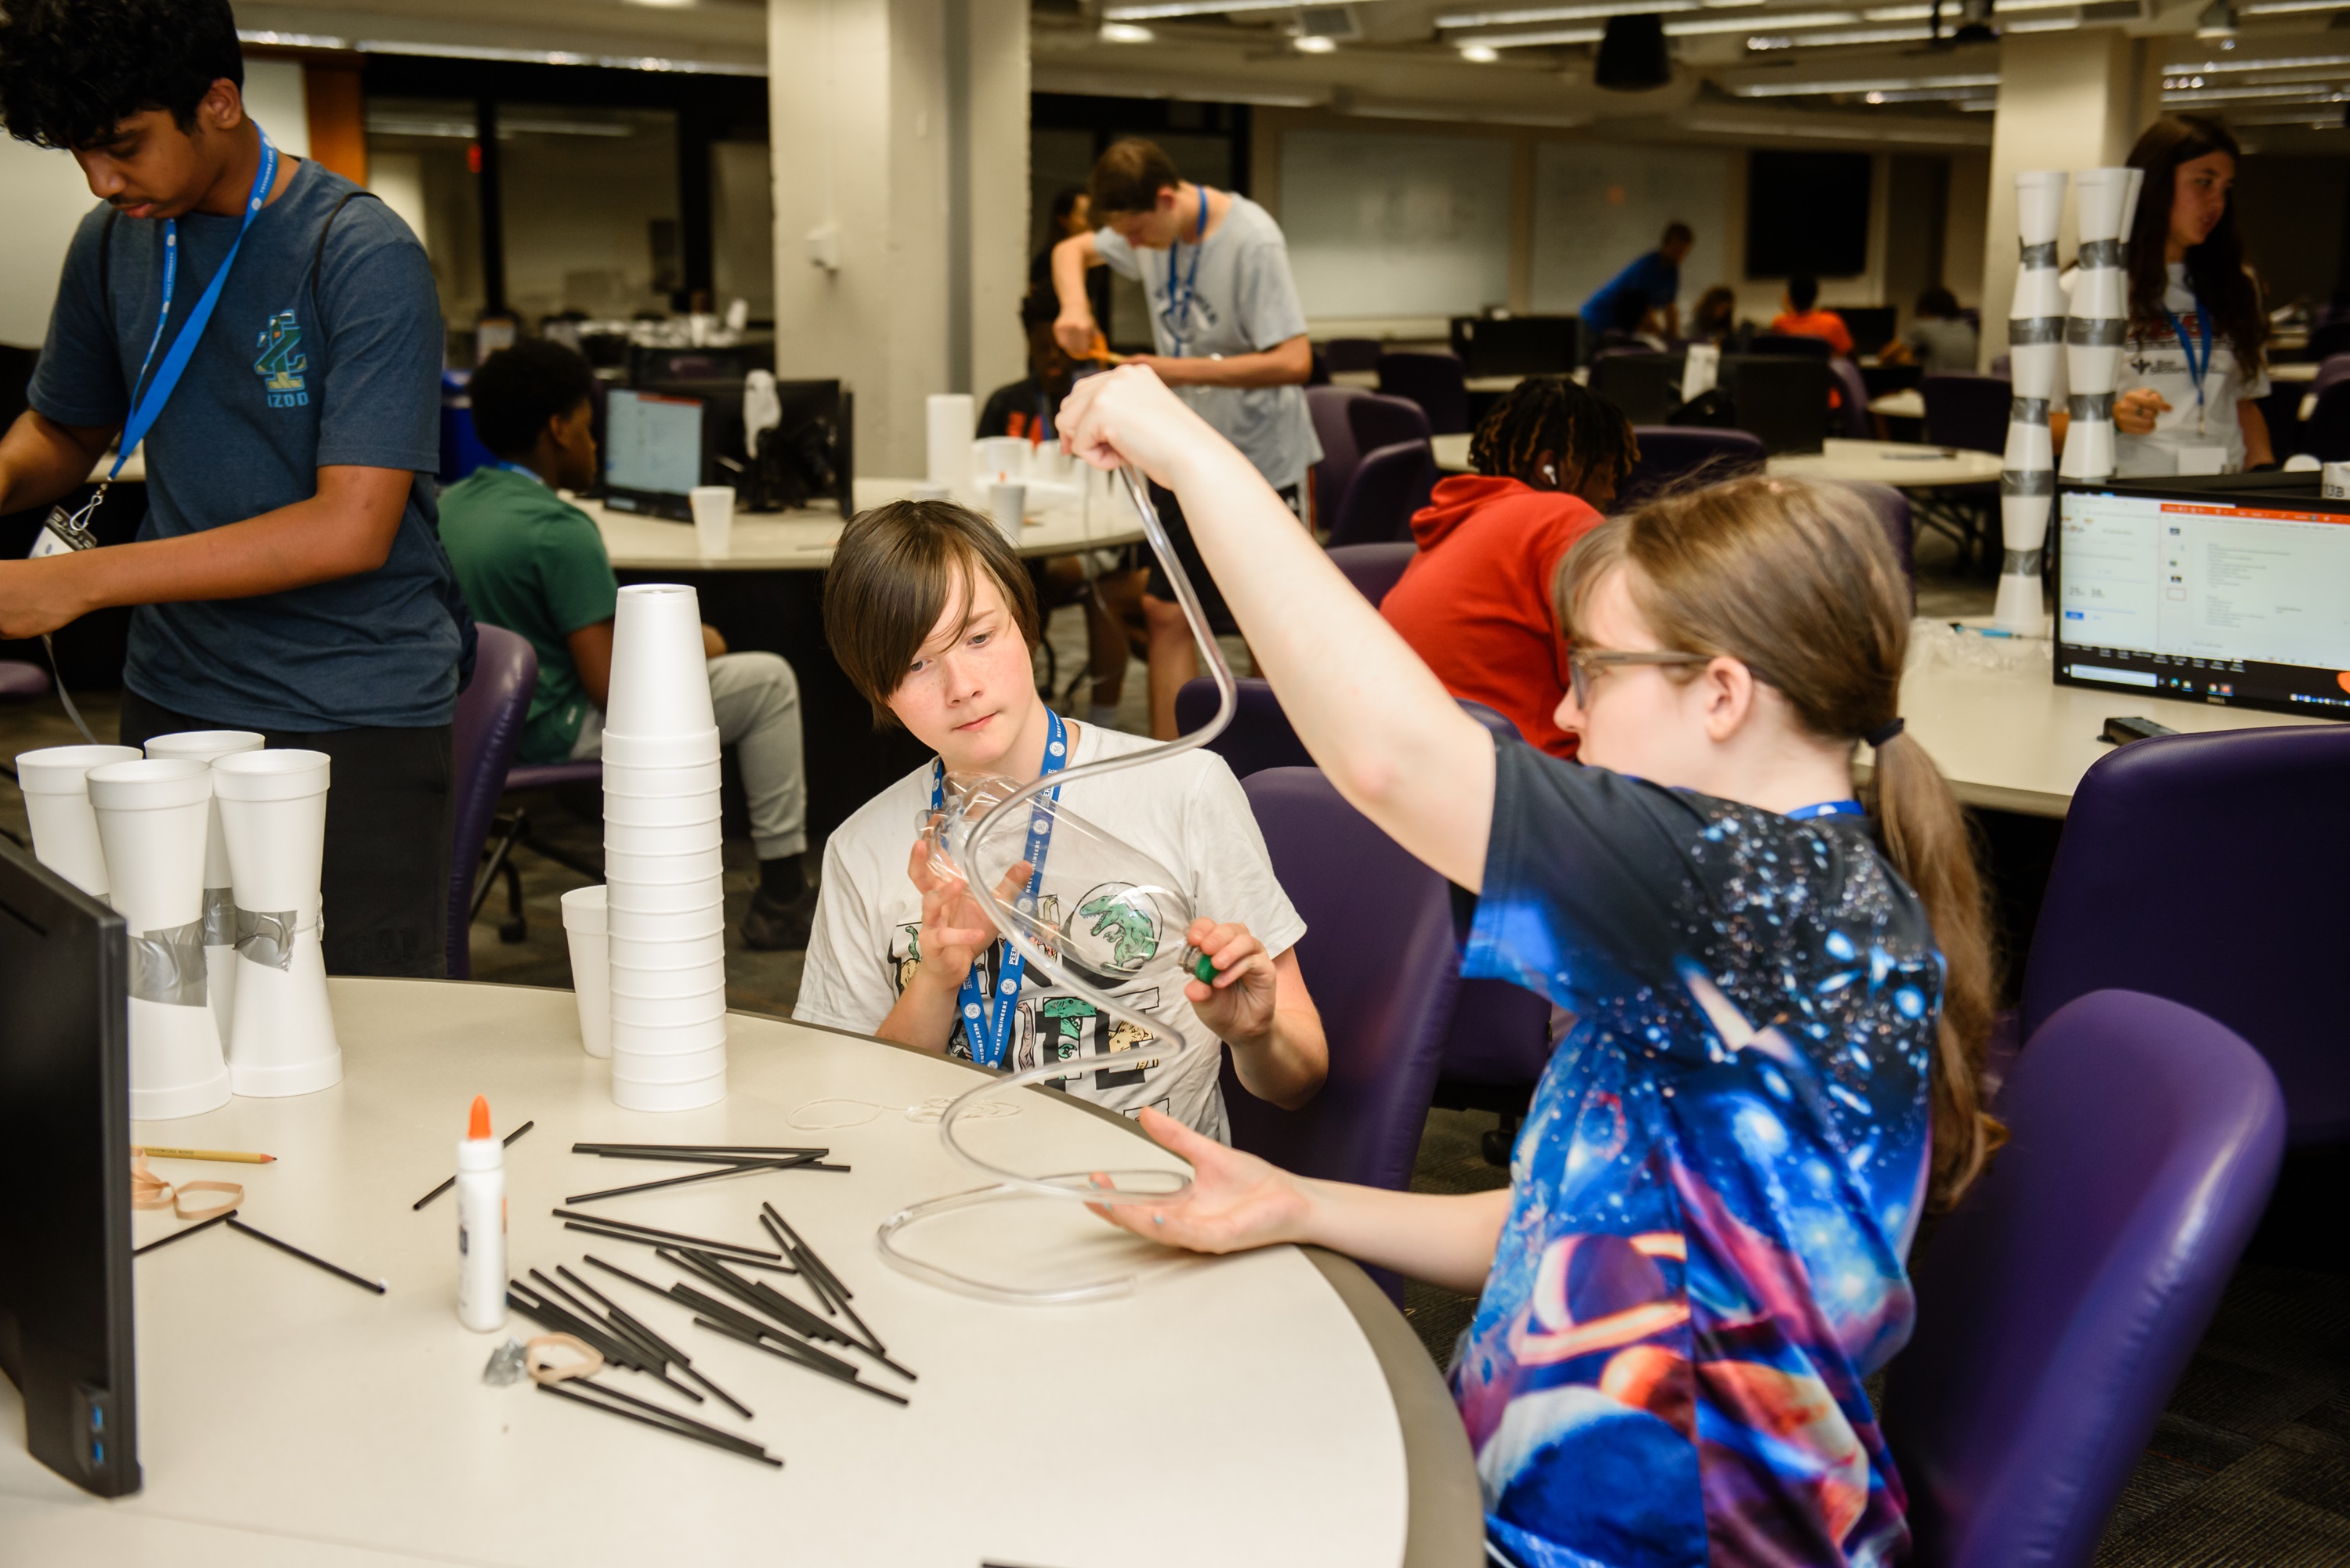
(168, 966)
(265, 937)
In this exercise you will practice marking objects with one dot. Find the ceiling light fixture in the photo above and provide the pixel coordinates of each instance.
(2217, 20)
(1697, 27)
(1125, 33)
(292, 40)
(2282, 63)
(2283, 7)
(1868, 84)
(1191, 8)
(1852, 36)
(1587, 12)
(1481, 53)
(1314, 45)
(1547, 35)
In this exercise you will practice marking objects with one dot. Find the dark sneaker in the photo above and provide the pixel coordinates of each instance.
(773, 927)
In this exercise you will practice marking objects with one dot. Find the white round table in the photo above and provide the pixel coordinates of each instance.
(1266, 1408)
(1903, 464)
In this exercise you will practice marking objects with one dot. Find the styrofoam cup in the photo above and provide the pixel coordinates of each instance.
(1008, 504)
(631, 1038)
(713, 520)
(688, 1067)
(57, 802)
(2024, 522)
(2029, 448)
(997, 459)
(659, 811)
(2021, 606)
(2033, 366)
(668, 1012)
(666, 953)
(2334, 480)
(2039, 292)
(2088, 449)
(2039, 205)
(949, 417)
(628, 839)
(691, 981)
(2092, 368)
(629, 750)
(2129, 201)
(626, 778)
(273, 811)
(284, 1041)
(666, 898)
(2098, 197)
(632, 1095)
(585, 929)
(152, 820)
(2101, 293)
(690, 866)
(660, 680)
(667, 925)
(205, 746)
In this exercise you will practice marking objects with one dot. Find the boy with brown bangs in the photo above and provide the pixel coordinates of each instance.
(933, 618)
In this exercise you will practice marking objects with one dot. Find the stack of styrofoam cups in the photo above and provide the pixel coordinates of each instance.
(951, 418)
(220, 907)
(2035, 339)
(272, 813)
(153, 818)
(665, 906)
(585, 928)
(2100, 314)
(57, 804)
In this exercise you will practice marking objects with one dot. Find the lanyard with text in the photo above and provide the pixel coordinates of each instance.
(987, 1020)
(1179, 326)
(2187, 350)
(1828, 808)
(72, 529)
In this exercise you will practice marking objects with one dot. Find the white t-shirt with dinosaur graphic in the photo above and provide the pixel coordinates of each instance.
(1188, 812)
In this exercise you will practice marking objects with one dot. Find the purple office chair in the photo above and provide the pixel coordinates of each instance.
(1852, 391)
(1672, 456)
(2058, 1304)
(488, 725)
(2329, 339)
(1892, 509)
(1393, 483)
(1969, 412)
(1378, 955)
(2336, 368)
(1344, 354)
(1377, 419)
(1374, 568)
(20, 681)
(2206, 869)
(1434, 381)
(1259, 736)
(1340, 456)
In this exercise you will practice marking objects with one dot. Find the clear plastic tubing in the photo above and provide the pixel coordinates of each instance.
(965, 848)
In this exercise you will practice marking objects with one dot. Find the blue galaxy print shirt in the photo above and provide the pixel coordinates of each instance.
(1715, 1189)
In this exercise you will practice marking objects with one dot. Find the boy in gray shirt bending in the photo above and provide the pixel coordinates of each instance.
(1230, 337)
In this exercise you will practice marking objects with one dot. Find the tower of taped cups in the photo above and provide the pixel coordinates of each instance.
(220, 905)
(153, 818)
(666, 918)
(2036, 343)
(2104, 201)
(272, 818)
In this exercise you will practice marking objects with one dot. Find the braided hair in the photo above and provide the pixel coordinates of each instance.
(1586, 436)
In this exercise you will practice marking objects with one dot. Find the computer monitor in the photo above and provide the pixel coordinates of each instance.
(2207, 594)
(1872, 325)
(656, 449)
(65, 1323)
(1516, 345)
(1781, 398)
(1647, 386)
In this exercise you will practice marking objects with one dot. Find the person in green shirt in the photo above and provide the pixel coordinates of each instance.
(533, 563)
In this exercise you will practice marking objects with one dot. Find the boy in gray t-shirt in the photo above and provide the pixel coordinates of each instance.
(1231, 338)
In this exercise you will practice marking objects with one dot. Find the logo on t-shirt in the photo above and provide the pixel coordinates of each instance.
(282, 361)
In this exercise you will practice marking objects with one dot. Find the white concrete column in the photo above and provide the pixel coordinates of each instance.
(2067, 101)
(900, 129)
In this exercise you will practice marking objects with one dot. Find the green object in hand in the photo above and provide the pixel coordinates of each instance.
(1205, 967)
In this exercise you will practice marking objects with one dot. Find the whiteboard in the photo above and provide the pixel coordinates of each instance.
(1396, 226)
(1599, 205)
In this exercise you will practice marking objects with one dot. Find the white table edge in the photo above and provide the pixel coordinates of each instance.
(1444, 1514)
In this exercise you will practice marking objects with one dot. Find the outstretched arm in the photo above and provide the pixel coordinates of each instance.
(1237, 1201)
(1380, 724)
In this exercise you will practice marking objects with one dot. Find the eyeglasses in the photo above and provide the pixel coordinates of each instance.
(1585, 663)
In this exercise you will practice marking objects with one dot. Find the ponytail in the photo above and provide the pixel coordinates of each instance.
(1926, 838)
(1797, 582)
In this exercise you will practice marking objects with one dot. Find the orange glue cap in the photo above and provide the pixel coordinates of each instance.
(479, 1126)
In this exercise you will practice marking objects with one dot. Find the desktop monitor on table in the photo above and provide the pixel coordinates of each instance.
(1782, 399)
(65, 1323)
(1517, 345)
(656, 449)
(2205, 592)
(1646, 387)
(1872, 325)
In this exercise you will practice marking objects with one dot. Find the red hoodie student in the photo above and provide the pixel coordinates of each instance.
(1476, 602)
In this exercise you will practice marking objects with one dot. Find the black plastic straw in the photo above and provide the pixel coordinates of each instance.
(507, 1143)
(731, 1167)
(176, 1235)
(787, 1353)
(623, 1319)
(679, 1237)
(378, 1286)
(715, 1440)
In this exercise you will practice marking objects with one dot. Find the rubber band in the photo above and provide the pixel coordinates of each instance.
(928, 1110)
(577, 1358)
(962, 852)
(148, 1191)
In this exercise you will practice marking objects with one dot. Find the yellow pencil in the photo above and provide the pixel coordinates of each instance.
(230, 1154)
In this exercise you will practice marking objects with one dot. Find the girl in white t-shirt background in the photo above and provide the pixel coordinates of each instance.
(2191, 370)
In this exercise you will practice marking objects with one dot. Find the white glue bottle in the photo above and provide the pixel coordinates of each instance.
(481, 1226)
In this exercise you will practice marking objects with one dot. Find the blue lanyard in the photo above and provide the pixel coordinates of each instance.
(1826, 808)
(144, 411)
(2178, 330)
(987, 1020)
(1178, 329)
